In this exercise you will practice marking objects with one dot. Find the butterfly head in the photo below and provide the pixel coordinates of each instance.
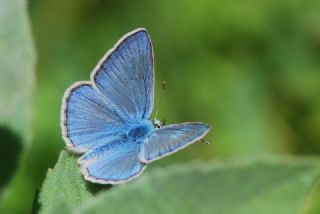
(159, 123)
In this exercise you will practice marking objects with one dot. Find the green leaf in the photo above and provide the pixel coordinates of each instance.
(269, 185)
(17, 62)
(64, 185)
(314, 205)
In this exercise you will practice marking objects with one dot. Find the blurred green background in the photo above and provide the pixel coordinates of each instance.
(249, 68)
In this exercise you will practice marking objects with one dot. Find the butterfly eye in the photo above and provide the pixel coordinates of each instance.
(157, 123)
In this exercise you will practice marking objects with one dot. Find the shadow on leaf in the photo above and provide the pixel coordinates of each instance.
(10, 149)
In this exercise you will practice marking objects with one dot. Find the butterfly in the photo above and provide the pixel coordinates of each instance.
(107, 119)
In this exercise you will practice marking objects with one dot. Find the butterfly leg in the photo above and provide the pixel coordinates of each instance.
(204, 141)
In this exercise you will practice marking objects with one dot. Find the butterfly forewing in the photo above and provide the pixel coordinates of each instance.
(89, 119)
(126, 76)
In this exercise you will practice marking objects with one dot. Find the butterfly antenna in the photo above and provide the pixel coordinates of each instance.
(163, 87)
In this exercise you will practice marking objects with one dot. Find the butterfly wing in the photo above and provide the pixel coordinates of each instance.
(125, 76)
(96, 112)
(88, 120)
(170, 139)
(114, 163)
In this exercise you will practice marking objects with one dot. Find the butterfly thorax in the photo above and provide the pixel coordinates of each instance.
(139, 132)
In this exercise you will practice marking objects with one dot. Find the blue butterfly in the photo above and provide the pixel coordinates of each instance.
(107, 119)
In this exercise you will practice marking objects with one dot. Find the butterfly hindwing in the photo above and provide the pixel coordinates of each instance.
(115, 163)
(170, 139)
